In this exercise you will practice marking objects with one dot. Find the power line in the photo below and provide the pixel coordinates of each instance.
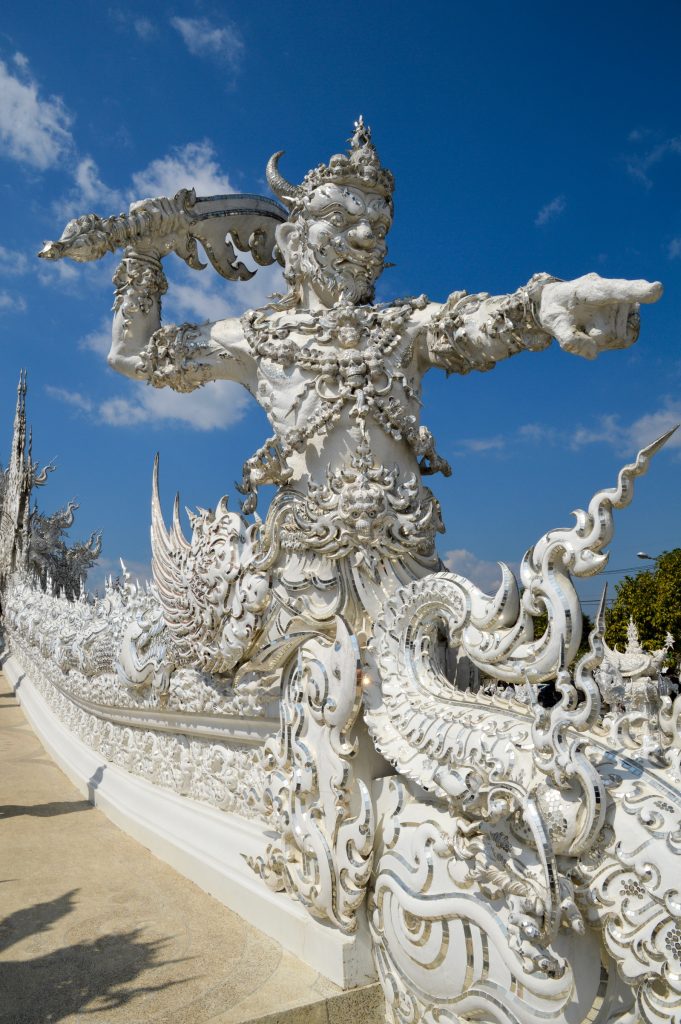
(631, 568)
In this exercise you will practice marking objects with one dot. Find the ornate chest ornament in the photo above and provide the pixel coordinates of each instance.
(355, 356)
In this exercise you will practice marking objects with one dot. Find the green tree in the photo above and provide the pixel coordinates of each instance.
(653, 599)
(541, 623)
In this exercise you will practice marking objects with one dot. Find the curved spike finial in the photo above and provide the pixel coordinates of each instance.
(283, 189)
(599, 623)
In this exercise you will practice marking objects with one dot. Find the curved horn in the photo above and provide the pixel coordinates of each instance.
(282, 188)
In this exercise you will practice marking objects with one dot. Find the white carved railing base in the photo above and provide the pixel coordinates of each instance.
(521, 867)
(446, 914)
(210, 846)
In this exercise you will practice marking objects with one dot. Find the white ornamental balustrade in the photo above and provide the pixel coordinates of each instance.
(498, 860)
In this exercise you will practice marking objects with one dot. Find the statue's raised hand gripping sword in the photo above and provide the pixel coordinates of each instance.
(160, 226)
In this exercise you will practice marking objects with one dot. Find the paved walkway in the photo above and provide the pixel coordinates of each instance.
(94, 928)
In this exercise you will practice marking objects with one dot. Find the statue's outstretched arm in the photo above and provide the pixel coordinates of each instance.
(586, 316)
(183, 356)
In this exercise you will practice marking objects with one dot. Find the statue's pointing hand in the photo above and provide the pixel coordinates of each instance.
(593, 313)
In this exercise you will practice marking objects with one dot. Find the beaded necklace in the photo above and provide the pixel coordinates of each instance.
(354, 355)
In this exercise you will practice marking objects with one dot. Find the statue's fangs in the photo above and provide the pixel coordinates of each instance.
(510, 862)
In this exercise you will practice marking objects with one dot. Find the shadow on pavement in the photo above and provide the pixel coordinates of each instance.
(90, 976)
(44, 810)
(38, 918)
(94, 782)
(14, 686)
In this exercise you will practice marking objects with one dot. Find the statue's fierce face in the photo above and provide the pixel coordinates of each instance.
(336, 244)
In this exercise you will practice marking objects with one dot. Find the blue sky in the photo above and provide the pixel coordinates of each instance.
(523, 137)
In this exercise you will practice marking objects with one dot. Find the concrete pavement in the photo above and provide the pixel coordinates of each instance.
(94, 928)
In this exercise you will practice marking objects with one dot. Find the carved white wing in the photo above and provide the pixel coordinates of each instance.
(211, 596)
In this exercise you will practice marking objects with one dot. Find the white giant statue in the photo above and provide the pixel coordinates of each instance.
(340, 380)
(509, 862)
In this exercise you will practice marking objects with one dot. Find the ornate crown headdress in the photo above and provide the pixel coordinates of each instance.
(360, 167)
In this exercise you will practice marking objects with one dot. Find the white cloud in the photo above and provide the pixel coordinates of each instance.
(627, 438)
(122, 412)
(606, 430)
(216, 405)
(256, 292)
(144, 28)
(99, 340)
(486, 575)
(59, 273)
(650, 426)
(482, 444)
(674, 248)
(73, 398)
(204, 39)
(550, 211)
(12, 262)
(33, 129)
(91, 186)
(89, 191)
(12, 303)
(196, 301)
(207, 296)
(639, 166)
(537, 432)
(79, 281)
(192, 166)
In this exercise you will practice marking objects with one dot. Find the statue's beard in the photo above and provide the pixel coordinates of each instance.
(349, 282)
(337, 271)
